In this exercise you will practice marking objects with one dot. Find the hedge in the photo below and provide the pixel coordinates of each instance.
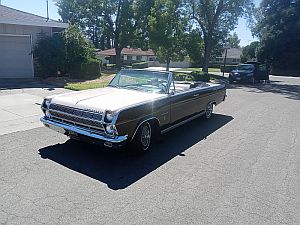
(86, 70)
(140, 65)
(194, 76)
(200, 76)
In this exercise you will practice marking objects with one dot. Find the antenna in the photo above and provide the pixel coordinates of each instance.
(47, 9)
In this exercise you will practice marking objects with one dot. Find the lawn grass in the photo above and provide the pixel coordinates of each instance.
(79, 86)
(100, 82)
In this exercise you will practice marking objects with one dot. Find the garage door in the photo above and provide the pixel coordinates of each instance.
(15, 57)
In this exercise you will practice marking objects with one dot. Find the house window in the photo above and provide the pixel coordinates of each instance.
(133, 57)
(139, 58)
(151, 59)
(129, 58)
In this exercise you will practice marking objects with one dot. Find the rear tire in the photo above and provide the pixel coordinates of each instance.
(142, 140)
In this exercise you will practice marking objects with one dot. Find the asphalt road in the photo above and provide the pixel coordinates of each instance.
(241, 167)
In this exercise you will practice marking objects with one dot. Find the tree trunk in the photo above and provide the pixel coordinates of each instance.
(118, 58)
(168, 64)
(207, 53)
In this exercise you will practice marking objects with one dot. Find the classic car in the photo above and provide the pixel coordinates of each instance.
(136, 106)
(249, 72)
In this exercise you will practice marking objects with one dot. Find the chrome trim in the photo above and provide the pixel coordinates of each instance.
(55, 125)
(100, 128)
(142, 123)
(72, 115)
(182, 122)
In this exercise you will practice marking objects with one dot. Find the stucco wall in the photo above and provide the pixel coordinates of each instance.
(20, 29)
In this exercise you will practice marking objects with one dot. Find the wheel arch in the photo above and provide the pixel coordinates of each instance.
(154, 122)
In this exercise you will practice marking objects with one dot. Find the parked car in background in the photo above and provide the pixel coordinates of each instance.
(249, 72)
(136, 106)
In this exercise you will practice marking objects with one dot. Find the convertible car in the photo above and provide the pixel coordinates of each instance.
(136, 106)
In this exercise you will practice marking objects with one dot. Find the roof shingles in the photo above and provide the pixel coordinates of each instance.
(13, 16)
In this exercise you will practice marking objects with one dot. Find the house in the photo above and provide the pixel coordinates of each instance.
(19, 32)
(128, 55)
(132, 55)
(233, 57)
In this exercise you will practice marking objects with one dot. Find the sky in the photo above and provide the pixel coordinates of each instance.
(38, 7)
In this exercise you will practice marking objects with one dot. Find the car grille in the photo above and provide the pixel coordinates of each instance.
(84, 118)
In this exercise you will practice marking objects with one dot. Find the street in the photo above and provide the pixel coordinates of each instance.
(240, 167)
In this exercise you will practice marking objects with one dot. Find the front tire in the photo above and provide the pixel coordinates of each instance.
(142, 140)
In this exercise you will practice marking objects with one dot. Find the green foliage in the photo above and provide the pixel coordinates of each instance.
(78, 49)
(87, 70)
(200, 76)
(64, 52)
(140, 65)
(250, 52)
(50, 53)
(233, 40)
(278, 28)
(195, 47)
(110, 23)
(167, 26)
(216, 19)
(194, 76)
(227, 69)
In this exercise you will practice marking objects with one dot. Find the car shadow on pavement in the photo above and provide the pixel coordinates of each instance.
(119, 169)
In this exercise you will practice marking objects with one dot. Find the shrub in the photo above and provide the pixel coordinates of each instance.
(65, 52)
(200, 76)
(140, 65)
(86, 70)
(50, 54)
(180, 76)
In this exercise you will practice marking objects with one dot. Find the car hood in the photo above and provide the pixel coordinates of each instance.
(101, 99)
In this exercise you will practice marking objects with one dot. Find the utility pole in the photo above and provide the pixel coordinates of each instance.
(47, 10)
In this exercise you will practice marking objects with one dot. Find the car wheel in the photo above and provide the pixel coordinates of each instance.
(142, 140)
(209, 110)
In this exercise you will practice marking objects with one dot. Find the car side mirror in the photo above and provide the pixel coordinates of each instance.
(172, 92)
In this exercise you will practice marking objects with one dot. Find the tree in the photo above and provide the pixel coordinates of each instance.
(167, 30)
(195, 47)
(109, 23)
(278, 28)
(64, 52)
(233, 40)
(216, 18)
(250, 52)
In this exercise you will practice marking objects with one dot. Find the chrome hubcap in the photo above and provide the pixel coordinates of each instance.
(146, 136)
(209, 110)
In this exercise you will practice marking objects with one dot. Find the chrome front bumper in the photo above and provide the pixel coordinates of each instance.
(65, 128)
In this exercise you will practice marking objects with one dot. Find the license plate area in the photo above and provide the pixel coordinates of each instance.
(72, 134)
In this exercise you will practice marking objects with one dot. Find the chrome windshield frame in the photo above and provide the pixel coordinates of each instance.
(169, 80)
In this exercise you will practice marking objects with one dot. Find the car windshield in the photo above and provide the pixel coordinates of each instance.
(141, 80)
(245, 67)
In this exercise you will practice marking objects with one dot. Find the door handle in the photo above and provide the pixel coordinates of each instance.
(196, 95)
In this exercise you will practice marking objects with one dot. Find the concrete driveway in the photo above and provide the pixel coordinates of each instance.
(20, 101)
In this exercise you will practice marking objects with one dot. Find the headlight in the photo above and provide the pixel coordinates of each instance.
(109, 116)
(47, 113)
(47, 102)
(111, 129)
